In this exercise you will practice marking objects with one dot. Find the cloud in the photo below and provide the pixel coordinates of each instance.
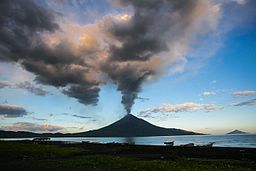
(4, 84)
(240, 2)
(86, 94)
(22, 27)
(177, 108)
(207, 93)
(144, 43)
(26, 86)
(127, 49)
(27, 37)
(39, 119)
(33, 127)
(32, 89)
(82, 117)
(13, 72)
(143, 99)
(246, 103)
(244, 93)
(12, 111)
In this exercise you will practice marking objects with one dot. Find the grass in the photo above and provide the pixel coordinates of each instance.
(19, 156)
(36, 151)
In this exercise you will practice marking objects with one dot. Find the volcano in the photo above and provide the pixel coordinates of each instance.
(128, 126)
(131, 126)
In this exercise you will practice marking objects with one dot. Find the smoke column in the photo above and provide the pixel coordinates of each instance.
(127, 49)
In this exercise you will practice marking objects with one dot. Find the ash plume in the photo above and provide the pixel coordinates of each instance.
(156, 26)
(127, 50)
(128, 79)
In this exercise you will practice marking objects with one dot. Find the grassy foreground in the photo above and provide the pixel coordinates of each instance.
(23, 156)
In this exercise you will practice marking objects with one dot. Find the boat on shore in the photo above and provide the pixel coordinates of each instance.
(169, 143)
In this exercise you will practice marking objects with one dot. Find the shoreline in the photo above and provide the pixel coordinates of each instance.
(229, 141)
(155, 151)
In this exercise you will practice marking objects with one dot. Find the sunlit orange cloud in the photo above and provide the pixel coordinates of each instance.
(78, 37)
(123, 17)
(89, 42)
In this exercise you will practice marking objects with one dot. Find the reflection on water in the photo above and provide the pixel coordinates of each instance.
(248, 140)
(129, 140)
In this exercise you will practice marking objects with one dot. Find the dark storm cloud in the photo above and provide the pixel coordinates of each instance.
(12, 111)
(32, 89)
(22, 25)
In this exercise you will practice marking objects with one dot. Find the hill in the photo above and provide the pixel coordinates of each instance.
(237, 132)
(25, 134)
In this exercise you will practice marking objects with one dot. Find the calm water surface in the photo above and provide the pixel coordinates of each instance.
(246, 140)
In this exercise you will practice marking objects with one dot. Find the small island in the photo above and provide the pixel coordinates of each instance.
(237, 132)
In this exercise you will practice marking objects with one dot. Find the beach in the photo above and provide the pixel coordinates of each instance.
(59, 155)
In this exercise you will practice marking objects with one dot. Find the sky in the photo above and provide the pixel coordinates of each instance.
(77, 65)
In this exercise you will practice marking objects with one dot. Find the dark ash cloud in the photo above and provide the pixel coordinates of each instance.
(154, 27)
(86, 94)
(129, 80)
(125, 51)
(21, 22)
(23, 25)
(148, 30)
(246, 103)
(12, 111)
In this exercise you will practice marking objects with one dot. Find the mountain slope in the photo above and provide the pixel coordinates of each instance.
(130, 126)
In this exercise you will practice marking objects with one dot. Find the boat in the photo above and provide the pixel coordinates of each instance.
(207, 145)
(188, 145)
(169, 143)
(41, 139)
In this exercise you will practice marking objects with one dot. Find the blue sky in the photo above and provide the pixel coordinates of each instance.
(207, 83)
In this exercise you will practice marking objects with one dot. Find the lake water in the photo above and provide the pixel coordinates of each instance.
(245, 140)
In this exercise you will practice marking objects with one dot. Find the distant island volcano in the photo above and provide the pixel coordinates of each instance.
(237, 132)
(128, 126)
